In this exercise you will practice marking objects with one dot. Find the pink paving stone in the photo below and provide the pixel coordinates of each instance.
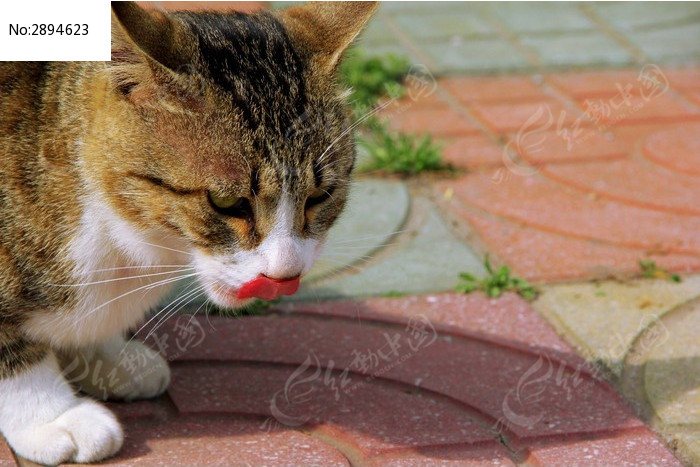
(572, 145)
(595, 83)
(540, 115)
(480, 455)
(549, 206)
(663, 107)
(677, 149)
(372, 416)
(438, 121)
(544, 257)
(632, 448)
(633, 181)
(634, 136)
(508, 320)
(492, 89)
(684, 78)
(476, 373)
(694, 96)
(221, 442)
(7, 459)
(472, 152)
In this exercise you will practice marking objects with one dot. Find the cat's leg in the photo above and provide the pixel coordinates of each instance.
(45, 422)
(117, 370)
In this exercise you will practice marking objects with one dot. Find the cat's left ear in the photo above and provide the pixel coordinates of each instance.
(326, 29)
(151, 53)
(155, 35)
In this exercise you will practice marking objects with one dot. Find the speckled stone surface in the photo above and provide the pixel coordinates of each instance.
(430, 262)
(375, 211)
(604, 319)
(672, 368)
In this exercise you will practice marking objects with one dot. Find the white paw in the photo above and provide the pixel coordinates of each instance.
(149, 378)
(87, 432)
(118, 370)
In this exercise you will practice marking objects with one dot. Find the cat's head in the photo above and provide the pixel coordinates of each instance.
(230, 132)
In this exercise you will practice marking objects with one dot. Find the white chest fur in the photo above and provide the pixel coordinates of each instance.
(120, 274)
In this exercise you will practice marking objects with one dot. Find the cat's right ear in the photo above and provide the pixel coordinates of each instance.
(326, 29)
(146, 45)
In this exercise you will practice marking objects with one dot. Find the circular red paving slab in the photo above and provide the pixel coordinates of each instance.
(677, 149)
(633, 181)
(209, 442)
(372, 416)
(545, 205)
(487, 377)
(543, 256)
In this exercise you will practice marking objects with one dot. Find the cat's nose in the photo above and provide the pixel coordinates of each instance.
(284, 261)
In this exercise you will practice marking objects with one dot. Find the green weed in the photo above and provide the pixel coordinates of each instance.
(496, 282)
(650, 269)
(401, 152)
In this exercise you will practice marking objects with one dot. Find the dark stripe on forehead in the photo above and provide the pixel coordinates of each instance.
(252, 57)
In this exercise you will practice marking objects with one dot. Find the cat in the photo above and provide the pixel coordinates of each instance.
(213, 146)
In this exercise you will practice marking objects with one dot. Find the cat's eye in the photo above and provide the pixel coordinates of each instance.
(318, 197)
(236, 206)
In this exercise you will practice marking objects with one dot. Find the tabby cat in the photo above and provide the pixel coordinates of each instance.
(214, 146)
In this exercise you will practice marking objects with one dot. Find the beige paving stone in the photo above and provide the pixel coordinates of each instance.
(689, 447)
(672, 373)
(604, 319)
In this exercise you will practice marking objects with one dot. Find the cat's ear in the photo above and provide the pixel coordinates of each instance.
(326, 29)
(153, 34)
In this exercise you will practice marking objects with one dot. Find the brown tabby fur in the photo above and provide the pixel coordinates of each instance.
(191, 103)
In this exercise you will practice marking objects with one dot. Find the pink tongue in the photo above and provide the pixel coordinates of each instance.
(268, 289)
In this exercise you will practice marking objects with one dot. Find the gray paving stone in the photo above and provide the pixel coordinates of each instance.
(674, 44)
(430, 262)
(475, 55)
(375, 210)
(393, 8)
(378, 32)
(578, 49)
(443, 25)
(637, 15)
(540, 17)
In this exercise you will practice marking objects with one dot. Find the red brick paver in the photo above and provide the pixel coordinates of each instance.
(627, 449)
(6, 456)
(677, 149)
(288, 385)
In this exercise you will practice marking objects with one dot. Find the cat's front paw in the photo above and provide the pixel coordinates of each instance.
(150, 379)
(118, 370)
(87, 432)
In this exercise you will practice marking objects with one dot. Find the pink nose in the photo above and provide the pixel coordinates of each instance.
(267, 288)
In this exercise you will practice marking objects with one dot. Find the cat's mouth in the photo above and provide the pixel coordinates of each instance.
(262, 287)
(267, 288)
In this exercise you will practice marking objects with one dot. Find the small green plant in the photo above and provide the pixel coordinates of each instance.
(370, 78)
(401, 152)
(497, 282)
(650, 269)
(373, 77)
